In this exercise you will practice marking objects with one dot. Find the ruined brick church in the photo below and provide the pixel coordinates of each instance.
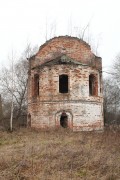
(65, 86)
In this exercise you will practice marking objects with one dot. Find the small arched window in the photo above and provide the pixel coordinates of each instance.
(63, 83)
(93, 85)
(36, 85)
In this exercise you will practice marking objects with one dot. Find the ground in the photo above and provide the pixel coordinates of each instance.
(60, 154)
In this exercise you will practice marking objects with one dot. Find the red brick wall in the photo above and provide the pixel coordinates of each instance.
(72, 47)
(84, 112)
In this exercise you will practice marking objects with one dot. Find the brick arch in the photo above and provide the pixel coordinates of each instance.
(58, 116)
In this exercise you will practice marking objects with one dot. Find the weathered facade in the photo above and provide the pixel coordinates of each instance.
(65, 86)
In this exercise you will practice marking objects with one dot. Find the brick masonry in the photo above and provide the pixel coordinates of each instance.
(83, 111)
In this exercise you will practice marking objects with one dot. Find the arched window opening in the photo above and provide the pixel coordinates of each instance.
(64, 120)
(63, 83)
(36, 85)
(93, 85)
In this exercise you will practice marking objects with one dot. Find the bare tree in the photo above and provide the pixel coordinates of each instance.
(1, 110)
(12, 91)
(112, 94)
(116, 69)
(13, 82)
(83, 33)
(14, 86)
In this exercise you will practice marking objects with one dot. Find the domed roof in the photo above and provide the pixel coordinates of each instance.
(72, 47)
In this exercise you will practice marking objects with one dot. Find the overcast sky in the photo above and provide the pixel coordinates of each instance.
(27, 21)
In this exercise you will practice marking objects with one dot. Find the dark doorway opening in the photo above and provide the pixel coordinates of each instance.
(64, 120)
(29, 120)
(63, 83)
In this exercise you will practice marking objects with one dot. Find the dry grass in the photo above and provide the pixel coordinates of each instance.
(60, 154)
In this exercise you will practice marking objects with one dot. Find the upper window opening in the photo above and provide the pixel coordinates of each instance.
(36, 85)
(93, 85)
(63, 83)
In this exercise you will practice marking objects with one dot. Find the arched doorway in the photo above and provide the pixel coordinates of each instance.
(64, 120)
(29, 120)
